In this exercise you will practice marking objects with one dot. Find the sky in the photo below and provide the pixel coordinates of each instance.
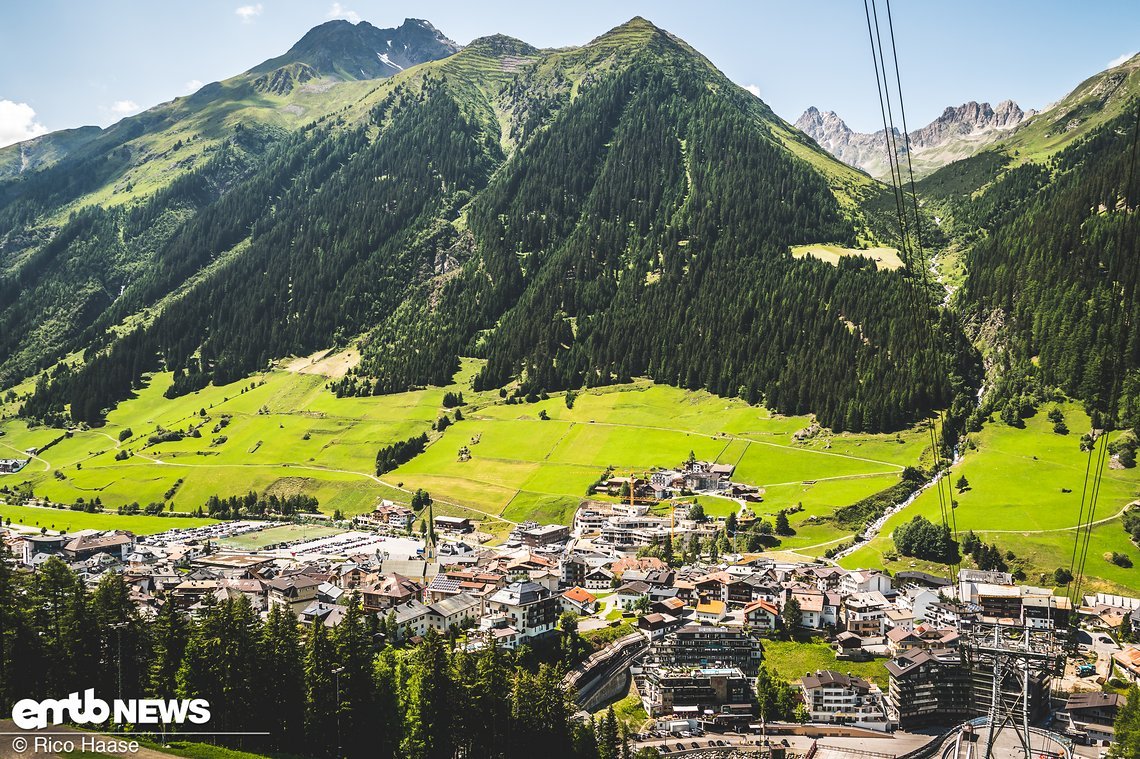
(67, 64)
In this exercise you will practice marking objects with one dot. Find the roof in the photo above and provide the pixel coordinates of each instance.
(761, 605)
(915, 658)
(711, 607)
(899, 634)
(1128, 658)
(1097, 700)
(99, 542)
(409, 611)
(520, 594)
(828, 678)
(633, 588)
(580, 596)
(456, 604)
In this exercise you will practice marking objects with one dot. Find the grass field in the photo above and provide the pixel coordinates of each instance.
(285, 433)
(884, 258)
(65, 520)
(252, 541)
(792, 659)
(1017, 499)
(522, 466)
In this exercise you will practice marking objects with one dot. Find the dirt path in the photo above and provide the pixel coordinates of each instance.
(47, 465)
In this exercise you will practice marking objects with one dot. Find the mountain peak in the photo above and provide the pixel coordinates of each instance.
(637, 29)
(501, 44)
(346, 50)
(959, 131)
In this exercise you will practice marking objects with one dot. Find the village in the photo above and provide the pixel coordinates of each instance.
(687, 638)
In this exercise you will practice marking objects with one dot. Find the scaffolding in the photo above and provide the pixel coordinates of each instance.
(1016, 662)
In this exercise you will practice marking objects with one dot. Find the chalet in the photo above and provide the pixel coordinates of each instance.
(836, 698)
(579, 601)
(460, 525)
(389, 591)
(86, 544)
(388, 515)
(327, 614)
(294, 592)
(544, 535)
(811, 607)
(1090, 716)
(628, 595)
(711, 612)
(864, 581)
(864, 613)
(900, 640)
(1127, 661)
(412, 619)
(459, 612)
(761, 615)
(531, 609)
(11, 466)
(656, 626)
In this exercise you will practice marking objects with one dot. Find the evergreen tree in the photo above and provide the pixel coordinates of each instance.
(320, 692)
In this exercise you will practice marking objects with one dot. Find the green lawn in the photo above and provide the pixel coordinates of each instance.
(1016, 499)
(884, 258)
(65, 520)
(284, 432)
(793, 659)
(273, 535)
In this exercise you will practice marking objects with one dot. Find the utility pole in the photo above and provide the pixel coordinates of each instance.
(118, 628)
(336, 674)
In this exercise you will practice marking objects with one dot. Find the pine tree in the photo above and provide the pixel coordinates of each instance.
(427, 732)
(282, 679)
(608, 736)
(320, 692)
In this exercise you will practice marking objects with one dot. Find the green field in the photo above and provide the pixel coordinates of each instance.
(65, 520)
(252, 541)
(522, 466)
(1016, 499)
(286, 433)
(792, 659)
(884, 258)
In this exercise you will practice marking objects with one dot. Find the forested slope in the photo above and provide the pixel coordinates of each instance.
(576, 217)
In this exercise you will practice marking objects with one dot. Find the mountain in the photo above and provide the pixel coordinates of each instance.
(958, 133)
(356, 51)
(43, 151)
(573, 217)
(1045, 225)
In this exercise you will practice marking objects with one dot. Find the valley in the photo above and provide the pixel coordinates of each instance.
(465, 219)
(286, 434)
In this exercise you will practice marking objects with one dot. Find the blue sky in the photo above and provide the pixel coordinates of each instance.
(65, 64)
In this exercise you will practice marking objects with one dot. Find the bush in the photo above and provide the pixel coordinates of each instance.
(1119, 559)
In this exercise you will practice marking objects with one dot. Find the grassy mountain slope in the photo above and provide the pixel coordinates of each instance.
(77, 233)
(546, 210)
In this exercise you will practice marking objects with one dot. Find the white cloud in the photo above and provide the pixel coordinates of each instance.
(18, 123)
(754, 89)
(1117, 61)
(248, 13)
(192, 86)
(339, 11)
(124, 107)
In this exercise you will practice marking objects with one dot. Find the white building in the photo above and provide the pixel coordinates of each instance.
(835, 698)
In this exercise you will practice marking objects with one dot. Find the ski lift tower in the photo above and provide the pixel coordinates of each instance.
(1017, 656)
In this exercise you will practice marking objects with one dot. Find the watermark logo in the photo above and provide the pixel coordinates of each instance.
(29, 714)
